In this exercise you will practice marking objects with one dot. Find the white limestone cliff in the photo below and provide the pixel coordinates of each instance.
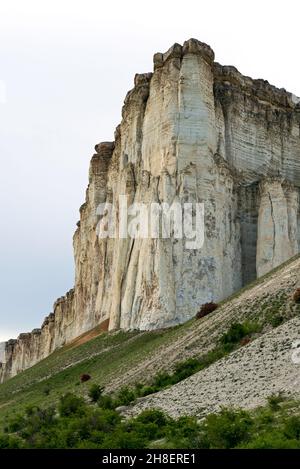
(2, 352)
(191, 131)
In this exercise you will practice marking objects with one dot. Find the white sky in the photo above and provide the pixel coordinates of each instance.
(65, 67)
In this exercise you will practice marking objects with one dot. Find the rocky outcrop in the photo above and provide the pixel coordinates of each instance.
(191, 131)
(28, 349)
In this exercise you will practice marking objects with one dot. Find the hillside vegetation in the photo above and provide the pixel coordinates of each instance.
(75, 424)
(141, 363)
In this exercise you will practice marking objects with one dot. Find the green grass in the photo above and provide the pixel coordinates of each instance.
(104, 357)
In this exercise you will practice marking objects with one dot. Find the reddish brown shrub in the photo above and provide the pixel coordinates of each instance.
(245, 341)
(296, 295)
(206, 309)
(85, 377)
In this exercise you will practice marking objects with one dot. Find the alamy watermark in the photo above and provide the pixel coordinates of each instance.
(154, 220)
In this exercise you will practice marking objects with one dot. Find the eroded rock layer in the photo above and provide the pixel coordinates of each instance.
(191, 131)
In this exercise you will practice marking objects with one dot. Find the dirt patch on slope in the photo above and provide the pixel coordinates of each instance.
(86, 336)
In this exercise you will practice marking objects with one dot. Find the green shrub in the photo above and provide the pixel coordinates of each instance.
(274, 401)
(292, 428)
(183, 433)
(125, 396)
(95, 392)
(106, 402)
(138, 387)
(187, 368)
(70, 405)
(146, 390)
(79, 425)
(273, 439)
(226, 430)
(31, 410)
(211, 357)
(237, 332)
(10, 442)
(124, 440)
(276, 320)
(162, 380)
(153, 416)
(16, 423)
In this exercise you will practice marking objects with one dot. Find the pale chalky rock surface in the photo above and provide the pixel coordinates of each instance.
(191, 131)
(2, 352)
(243, 380)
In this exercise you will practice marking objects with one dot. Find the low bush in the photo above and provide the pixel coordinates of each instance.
(187, 368)
(185, 434)
(206, 309)
(245, 341)
(237, 332)
(296, 295)
(80, 425)
(275, 400)
(85, 377)
(95, 392)
(153, 416)
(276, 320)
(227, 429)
(292, 427)
(106, 402)
(70, 405)
(125, 396)
(146, 390)
(10, 442)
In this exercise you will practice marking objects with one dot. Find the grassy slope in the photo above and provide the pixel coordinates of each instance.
(105, 357)
(102, 357)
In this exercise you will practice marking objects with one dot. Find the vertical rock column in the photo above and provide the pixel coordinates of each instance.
(213, 272)
(277, 225)
(124, 178)
(87, 252)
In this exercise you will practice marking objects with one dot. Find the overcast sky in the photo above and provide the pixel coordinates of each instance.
(65, 67)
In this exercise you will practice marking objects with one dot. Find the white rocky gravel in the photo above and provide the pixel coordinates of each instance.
(202, 336)
(244, 379)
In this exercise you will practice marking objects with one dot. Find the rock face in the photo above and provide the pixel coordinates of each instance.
(191, 131)
(2, 352)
